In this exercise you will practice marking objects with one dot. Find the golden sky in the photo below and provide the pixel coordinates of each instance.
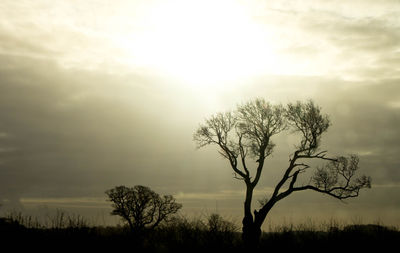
(95, 94)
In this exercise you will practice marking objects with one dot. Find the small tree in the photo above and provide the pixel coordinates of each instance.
(141, 207)
(246, 134)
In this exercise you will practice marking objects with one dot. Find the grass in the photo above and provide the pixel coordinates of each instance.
(212, 233)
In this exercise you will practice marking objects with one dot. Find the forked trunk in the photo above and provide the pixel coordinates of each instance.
(251, 233)
(251, 230)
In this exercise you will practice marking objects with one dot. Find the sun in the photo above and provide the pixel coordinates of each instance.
(203, 43)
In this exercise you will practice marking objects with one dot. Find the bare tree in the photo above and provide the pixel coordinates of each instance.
(245, 134)
(141, 207)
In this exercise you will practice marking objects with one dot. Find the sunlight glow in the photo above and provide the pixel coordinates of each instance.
(201, 43)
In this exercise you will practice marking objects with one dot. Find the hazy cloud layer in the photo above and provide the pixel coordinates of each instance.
(75, 134)
(75, 120)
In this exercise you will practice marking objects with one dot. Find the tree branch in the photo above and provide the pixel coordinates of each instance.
(321, 155)
(291, 187)
(243, 154)
(336, 179)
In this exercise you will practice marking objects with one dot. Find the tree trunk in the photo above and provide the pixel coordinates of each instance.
(251, 231)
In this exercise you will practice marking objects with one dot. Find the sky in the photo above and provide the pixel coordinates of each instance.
(95, 94)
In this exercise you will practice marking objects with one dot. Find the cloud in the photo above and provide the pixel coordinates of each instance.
(62, 130)
(336, 39)
(68, 133)
(364, 124)
(366, 35)
(11, 44)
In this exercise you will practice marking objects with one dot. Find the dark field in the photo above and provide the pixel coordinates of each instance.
(66, 234)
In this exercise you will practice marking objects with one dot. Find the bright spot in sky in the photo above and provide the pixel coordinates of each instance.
(202, 43)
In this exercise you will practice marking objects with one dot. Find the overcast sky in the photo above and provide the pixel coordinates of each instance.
(95, 94)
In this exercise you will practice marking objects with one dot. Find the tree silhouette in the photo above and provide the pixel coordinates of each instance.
(245, 134)
(141, 207)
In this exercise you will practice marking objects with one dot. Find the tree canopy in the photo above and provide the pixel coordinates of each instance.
(141, 207)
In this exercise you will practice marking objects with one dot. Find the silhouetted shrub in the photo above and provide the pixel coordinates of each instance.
(140, 207)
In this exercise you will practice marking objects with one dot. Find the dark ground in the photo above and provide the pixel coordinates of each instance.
(187, 236)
